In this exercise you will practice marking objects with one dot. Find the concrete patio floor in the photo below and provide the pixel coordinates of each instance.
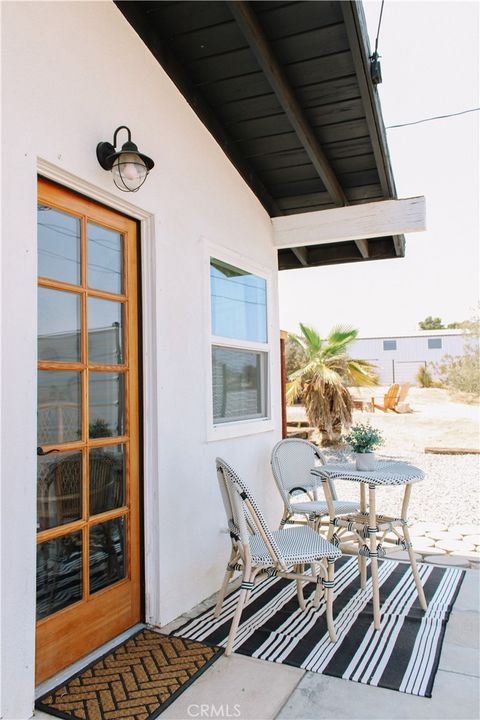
(250, 689)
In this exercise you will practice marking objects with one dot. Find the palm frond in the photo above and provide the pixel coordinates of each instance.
(312, 338)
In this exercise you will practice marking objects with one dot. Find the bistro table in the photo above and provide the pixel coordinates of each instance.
(366, 524)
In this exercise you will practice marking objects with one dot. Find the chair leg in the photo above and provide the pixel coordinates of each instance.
(317, 573)
(413, 564)
(285, 518)
(238, 613)
(362, 569)
(226, 579)
(301, 599)
(330, 624)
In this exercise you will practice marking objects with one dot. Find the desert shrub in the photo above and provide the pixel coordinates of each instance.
(424, 377)
(462, 373)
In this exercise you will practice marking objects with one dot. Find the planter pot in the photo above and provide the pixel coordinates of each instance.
(365, 461)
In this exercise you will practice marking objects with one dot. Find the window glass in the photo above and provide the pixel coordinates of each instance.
(239, 384)
(389, 344)
(239, 303)
(434, 343)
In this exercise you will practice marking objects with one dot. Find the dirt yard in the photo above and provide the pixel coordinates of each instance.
(436, 421)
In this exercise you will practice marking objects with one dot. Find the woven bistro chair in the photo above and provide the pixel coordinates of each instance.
(257, 552)
(292, 460)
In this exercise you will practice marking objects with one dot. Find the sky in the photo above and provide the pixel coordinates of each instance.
(430, 66)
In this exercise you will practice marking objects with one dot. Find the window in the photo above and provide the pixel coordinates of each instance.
(434, 343)
(239, 350)
(389, 344)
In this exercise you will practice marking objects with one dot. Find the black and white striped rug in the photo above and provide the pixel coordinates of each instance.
(402, 656)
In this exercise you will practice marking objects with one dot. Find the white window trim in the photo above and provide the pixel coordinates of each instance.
(237, 428)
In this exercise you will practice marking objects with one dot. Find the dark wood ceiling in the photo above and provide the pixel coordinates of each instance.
(285, 89)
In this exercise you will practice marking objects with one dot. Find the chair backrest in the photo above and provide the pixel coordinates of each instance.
(390, 398)
(242, 510)
(292, 459)
(403, 393)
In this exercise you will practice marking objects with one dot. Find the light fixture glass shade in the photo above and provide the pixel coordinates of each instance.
(129, 172)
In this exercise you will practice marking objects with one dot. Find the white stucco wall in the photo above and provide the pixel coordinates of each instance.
(72, 72)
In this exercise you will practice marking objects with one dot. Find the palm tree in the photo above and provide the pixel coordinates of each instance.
(323, 378)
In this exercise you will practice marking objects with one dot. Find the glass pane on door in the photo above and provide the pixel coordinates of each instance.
(105, 332)
(59, 489)
(59, 573)
(105, 259)
(107, 553)
(107, 478)
(58, 245)
(59, 416)
(107, 404)
(58, 325)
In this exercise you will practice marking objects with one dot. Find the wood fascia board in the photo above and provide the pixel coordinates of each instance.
(258, 43)
(354, 222)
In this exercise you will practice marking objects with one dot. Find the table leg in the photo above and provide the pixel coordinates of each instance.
(411, 553)
(362, 560)
(372, 523)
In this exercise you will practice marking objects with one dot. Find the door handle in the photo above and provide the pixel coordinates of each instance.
(41, 451)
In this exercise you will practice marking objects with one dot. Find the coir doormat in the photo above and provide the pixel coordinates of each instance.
(403, 655)
(135, 681)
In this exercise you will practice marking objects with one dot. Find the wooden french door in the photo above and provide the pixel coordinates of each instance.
(88, 525)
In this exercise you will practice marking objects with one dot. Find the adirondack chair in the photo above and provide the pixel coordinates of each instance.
(402, 406)
(390, 399)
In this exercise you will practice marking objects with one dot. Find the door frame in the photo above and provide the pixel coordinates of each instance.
(148, 337)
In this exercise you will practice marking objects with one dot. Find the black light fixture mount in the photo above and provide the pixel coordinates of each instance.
(129, 167)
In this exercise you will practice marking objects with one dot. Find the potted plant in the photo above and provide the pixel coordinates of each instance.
(364, 439)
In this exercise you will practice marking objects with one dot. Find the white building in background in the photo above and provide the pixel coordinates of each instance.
(140, 334)
(399, 357)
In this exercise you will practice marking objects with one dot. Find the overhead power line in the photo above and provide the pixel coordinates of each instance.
(435, 117)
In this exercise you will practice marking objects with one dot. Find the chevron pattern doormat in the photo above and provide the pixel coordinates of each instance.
(135, 681)
(403, 655)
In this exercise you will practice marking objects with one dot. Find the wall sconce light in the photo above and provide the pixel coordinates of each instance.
(129, 167)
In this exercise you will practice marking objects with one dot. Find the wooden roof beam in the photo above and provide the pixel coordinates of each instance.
(301, 254)
(254, 35)
(356, 222)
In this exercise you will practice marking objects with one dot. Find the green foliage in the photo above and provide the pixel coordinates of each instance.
(424, 377)
(431, 323)
(99, 428)
(364, 438)
(325, 371)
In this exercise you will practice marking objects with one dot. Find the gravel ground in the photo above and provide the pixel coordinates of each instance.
(449, 494)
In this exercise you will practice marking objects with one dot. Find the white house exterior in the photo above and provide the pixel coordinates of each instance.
(72, 73)
(399, 357)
